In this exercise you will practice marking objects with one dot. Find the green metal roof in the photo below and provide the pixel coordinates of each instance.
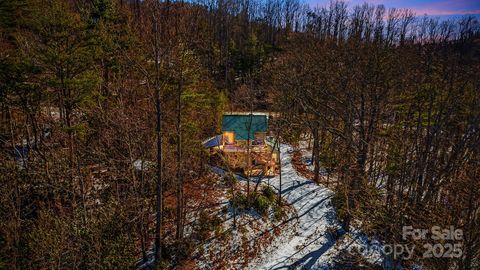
(241, 124)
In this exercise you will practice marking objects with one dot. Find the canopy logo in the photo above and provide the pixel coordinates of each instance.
(446, 243)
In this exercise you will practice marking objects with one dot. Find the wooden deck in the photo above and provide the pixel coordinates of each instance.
(262, 160)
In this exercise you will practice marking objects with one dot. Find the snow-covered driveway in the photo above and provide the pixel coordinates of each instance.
(308, 245)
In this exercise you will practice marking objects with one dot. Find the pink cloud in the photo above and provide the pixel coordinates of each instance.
(420, 7)
(440, 12)
(448, 7)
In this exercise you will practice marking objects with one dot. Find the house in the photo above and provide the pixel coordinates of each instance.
(244, 144)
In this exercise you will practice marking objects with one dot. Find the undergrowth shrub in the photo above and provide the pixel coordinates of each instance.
(240, 201)
(206, 224)
(262, 204)
(278, 212)
(230, 180)
(269, 193)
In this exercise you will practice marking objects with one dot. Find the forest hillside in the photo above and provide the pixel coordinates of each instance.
(115, 151)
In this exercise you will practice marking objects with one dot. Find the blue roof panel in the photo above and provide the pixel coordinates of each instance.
(212, 142)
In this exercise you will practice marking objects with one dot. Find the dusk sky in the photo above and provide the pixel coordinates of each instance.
(421, 7)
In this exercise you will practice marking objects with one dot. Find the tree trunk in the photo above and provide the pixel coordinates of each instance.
(179, 234)
(159, 191)
(249, 160)
(316, 150)
(280, 180)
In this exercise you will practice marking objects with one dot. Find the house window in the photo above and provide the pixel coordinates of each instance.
(229, 137)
